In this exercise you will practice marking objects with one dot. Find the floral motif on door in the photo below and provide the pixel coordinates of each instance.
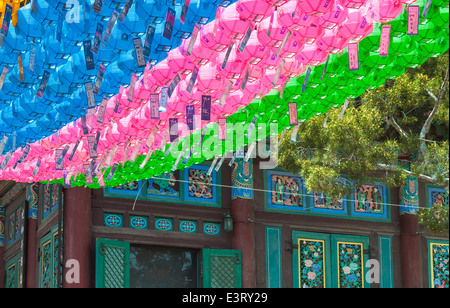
(311, 263)
(350, 265)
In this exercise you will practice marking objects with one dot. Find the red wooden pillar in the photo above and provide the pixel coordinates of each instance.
(77, 238)
(410, 242)
(242, 210)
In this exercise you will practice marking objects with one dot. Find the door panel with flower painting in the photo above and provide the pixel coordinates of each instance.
(329, 260)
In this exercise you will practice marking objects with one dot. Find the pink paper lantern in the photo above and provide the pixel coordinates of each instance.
(382, 11)
(311, 55)
(200, 55)
(292, 68)
(255, 72)
(277, 33)
(332, 42)
(234, 66)
(231, 23)
(217, 41)
(254, 10)
(334, 17)
(277, 3)
(164, 74)
(178, 62)
(293, 46)
(209, 80)
(255, 51)
(352, 4)
(309, 35)
(316, 8)
(356, 27)
(287, 15)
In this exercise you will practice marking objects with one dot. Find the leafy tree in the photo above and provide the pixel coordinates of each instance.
(364, 139)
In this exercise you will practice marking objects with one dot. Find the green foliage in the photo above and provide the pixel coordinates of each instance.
(365, 144)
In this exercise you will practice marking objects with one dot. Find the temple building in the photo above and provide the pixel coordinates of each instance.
(234, 226)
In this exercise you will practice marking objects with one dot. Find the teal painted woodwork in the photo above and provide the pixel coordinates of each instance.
(386, 262)
(273, 257)
(112, 264)
(221, 268)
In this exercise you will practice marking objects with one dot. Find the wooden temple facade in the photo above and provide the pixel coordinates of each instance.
(172, 231)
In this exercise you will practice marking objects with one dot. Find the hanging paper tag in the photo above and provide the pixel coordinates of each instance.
(294, 134)
(98, 82)
(131, 88)
(125, 151)
(216, 22)
(135, 151)
(97, 38)
(413, 20)
(170, 21)
(384, 40)
(24, 154)
(245, 80)
(176, 80)
(97, 6)
(151, 137)
(74, 150)
(206, 108)
(211, 168)
(59, 25)
(59, 157)
(286, 38)
(190, 112)
(173, 125)
(84, 126)
(111, 155)
(102, 161)
(6, 20)
(193, 79)
(305, 81)
(91, 143)
(147, 157)
(232, 160)
(163, 143)
(32, 57)
(19, 61)
(278, 72)
(353, 56)
(101, 111)
(293, 113)
(149, 36)
(227, 55)
(59, 163)
(193, 39)
(88, 56)
(222, 128)
(426, 8)
(89, 94)
(125, 10)
(6, 160)
(219, 164)
(184, 10)
(284, 87)
(324, 69)
(112, 171)
(226, 92)
(140, 58)
(43, 85)
(163, 99)
(250, 150)
(100, 179)
(326, 120)
(251, 127)
(154, 106)
(36, 168)
(3, 76)
(109, 28)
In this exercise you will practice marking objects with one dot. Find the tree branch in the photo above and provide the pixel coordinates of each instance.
(391, 121)
(437, 104)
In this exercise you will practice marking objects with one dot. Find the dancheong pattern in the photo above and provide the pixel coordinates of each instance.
(439, 265)
(350, 265)
(311, 263)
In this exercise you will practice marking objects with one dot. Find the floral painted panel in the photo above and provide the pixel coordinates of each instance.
(439, 265)
(370, 201)
(350, 265)
(311, 254)
(437, 197)
(287, 191)
(326, 204)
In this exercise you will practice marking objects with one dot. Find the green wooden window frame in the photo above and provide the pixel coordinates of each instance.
(221, 268)
(112, 263)
(13, 272)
